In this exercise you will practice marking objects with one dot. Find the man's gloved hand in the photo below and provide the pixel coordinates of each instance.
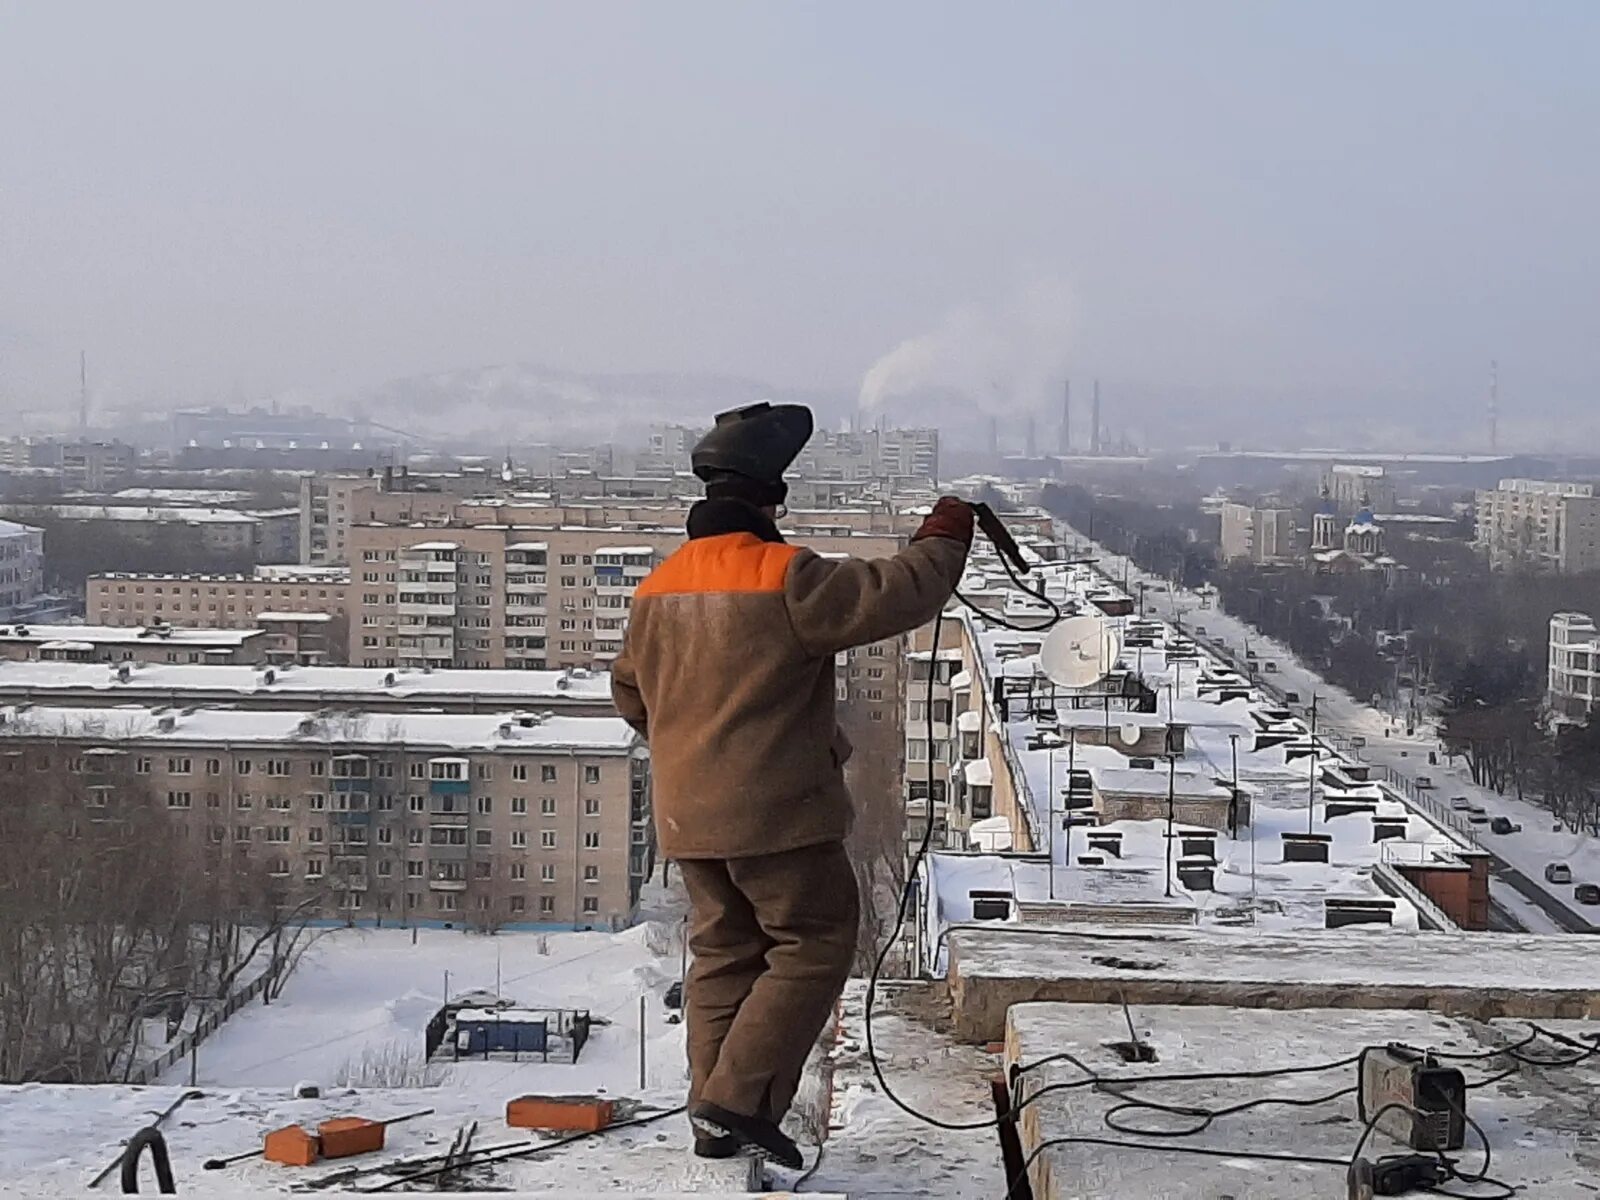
(950, 518)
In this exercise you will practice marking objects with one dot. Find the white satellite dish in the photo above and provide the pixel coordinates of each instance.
(1130, 734)
(1079, 652)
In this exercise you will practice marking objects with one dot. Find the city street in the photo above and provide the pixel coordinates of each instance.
(1518, 887)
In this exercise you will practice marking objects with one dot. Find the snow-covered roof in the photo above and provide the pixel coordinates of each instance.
(294, 616)
(122, 635)
(624, 550)
(457, 733)
(323, 683)
(172, 514)
(433, 546)
(979, 773)
(529, 546)
(969, 722)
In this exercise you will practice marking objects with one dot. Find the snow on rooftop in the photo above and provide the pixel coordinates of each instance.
(457, 732)
(341, 682)
(172, 514)
(313, 617)
(624, 550)
(100, 635)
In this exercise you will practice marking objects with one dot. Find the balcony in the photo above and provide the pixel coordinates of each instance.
(441, 881)
(448, 818)
(352, 818)
(349, 850)
(449, 787)
(352, 783)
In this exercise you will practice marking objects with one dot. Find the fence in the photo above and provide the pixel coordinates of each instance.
(151, 1071)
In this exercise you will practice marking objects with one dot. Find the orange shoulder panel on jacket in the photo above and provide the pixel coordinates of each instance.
(729, 562)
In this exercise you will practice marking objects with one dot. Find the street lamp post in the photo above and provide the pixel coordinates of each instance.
(1311, 784)
(1172, 767)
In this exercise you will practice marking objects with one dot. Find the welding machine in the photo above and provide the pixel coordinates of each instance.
(1434, 1097)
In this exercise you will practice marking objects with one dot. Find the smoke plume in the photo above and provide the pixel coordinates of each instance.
(1007, 359)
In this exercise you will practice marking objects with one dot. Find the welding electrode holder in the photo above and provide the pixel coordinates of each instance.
(999, 535)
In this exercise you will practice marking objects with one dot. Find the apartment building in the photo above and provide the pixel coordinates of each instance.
(1257, 535)
(1540, 525)
(305, 610)
(219, 531)
(21, 567)
(478, 820)
(881, 456)
(1574, 680)
(1354, 486)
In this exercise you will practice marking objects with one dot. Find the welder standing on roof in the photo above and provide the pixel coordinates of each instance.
(728, 671)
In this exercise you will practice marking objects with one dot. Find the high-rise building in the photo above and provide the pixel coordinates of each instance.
(1257, 534)
(1540, 525)
(1574, 682)
(21, 567)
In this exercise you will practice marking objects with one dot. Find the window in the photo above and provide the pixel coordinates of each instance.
(519, 838)
(385, 867)
(213, 766)
(519, 806)
(449, 902)
(278, 766)
(591, 904)
(277, 833)
(241, 833)
(213, 800)
(413, 868)
(178, 766)
(414, 837)
(547, 806)
(178, 800)
(317, 767)
(483, 837)
(591, 873)
(485, 805)
(547, 839)
(591, 840)
(591, 806)
(591, 774)
(547, 872)
(547, 904)
(519, 870)
(316, 801)
(385, 835)
(547, 773)
(314, 868)
(517, 903)
(243, 800)
(141, 766)
(483, 771)
(519, 771)
(416, 803)
(242, 766)
(482, 870)
(314, 834)
(417, 770)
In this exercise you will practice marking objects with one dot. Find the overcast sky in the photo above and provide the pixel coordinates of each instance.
(1307, 201)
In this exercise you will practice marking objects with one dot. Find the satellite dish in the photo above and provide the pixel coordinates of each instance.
(1130, 734)
(1079, 652)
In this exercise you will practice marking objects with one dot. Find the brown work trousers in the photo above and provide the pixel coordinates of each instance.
(773, 939)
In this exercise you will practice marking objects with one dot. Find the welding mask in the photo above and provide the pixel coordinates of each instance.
(747, 451)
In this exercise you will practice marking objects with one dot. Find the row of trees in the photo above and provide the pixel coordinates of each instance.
(109, 915)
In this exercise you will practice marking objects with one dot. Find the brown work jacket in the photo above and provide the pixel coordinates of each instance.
(727, 670)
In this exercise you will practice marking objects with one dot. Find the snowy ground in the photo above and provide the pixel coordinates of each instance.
(364, 994)
(1541, 840)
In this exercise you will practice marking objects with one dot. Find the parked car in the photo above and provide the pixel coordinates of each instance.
(1424, 782)
(1557, 872)
(1504, 825)
(674, 996)
(1587, 893)
(1271, 667)
(1476, 810)
(1478, 818)
(1460, 803)
(1200, 629)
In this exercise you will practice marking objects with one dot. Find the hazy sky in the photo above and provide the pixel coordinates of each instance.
(1312, 201)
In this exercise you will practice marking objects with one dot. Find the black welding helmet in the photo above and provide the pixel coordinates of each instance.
(748, 450)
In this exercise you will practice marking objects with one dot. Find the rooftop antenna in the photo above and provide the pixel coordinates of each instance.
(83, 391)
(1494, 405)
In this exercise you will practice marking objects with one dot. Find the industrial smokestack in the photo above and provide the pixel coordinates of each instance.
(1066, 417)
(994, 437)
(1094, 420)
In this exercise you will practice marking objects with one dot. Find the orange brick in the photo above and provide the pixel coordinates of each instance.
(343, 1136)
(291, 1146)
(578, 1114)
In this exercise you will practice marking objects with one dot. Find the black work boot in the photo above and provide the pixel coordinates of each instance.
(707, 1146)
(716, 1121)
